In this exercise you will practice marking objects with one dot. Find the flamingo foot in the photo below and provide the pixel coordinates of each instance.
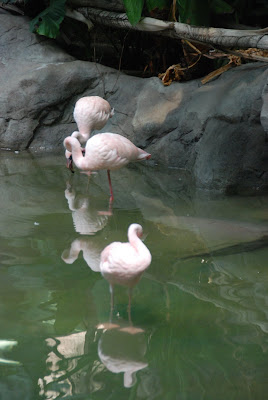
(88, 173)
(108, 213)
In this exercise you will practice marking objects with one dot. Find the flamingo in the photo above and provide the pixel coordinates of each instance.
(90, 113)
(124, 263)
(108, 151)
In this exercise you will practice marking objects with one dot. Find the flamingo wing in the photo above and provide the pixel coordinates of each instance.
(112, 151)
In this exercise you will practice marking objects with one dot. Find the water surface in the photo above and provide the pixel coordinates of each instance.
(199, 315)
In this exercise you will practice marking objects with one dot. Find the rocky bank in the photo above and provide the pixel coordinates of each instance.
(217, 131)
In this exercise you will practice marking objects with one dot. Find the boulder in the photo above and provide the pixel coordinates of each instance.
(264, 110)
(213, 130)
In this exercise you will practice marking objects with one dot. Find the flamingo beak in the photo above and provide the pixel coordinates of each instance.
(70, 164)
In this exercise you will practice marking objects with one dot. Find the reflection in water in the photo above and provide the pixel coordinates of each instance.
(62, 362)
(122, 349)
(91, 253)
(236, 282)
(6, 345)
(202, 304)
(86, 220)
(204, 235)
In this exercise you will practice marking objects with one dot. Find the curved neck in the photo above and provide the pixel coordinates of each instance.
(78, 157)
(135, 241)
(81, 135)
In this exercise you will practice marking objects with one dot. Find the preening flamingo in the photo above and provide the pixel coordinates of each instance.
(124, 263)
(90, 113)
(108, 151)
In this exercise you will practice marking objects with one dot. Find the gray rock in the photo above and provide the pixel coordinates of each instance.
(264, 110)
(112, 5)
(213, 130)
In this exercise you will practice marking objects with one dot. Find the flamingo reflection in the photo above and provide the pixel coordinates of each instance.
(86, 219)
(91, 253)
(121, 348)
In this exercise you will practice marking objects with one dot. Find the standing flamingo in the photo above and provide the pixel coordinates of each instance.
(90, 113)
(124, 263)
(108, 151)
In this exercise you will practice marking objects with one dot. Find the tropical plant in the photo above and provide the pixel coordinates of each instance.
(199, 12)
(193, 12)
(48, 22)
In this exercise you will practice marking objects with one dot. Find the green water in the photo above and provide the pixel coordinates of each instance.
(199, 313)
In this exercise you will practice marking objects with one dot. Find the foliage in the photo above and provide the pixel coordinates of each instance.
(48, 22)
(197, 12)
(133, 10)
(194, 12)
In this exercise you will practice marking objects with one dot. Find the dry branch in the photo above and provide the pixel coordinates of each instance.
(221, 37)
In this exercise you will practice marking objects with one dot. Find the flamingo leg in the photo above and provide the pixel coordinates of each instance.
(109, 212)
(129, 306)
(110, 186)
(112, 302)
(88, 182)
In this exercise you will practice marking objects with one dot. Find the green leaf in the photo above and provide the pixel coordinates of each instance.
(133, 10)
(48, 22)
(220, 7)
(157, 4)
(194, 12)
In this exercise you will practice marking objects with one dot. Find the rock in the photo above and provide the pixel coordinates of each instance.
(112, 5)
(264, 110)
(213, 130)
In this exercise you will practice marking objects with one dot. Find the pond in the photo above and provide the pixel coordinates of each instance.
(199, 315)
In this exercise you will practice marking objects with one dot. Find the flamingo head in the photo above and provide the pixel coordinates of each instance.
(137, 229)
(71, 143)
(69, 164)
(68, 143)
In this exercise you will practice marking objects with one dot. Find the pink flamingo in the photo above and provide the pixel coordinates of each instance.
(108, 151)
(124, 263)
(90, 113)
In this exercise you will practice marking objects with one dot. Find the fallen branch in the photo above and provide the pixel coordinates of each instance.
(221, 37)
(79, 17)
(11, 7)
(227, 38)
(233, 62)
